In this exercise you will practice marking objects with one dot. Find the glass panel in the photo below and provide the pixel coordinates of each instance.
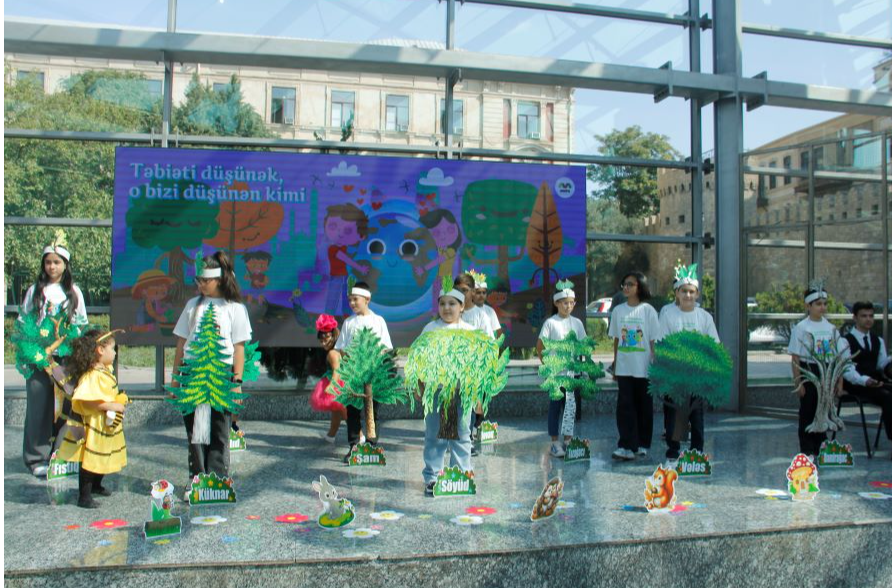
(849, 256)
(770, 199)
(138, 13)
(341, 108)
(397, 113)
(458, 109)
(867, 19)
(283, 105)
(769, 127)
(528, 120)
(66, 94)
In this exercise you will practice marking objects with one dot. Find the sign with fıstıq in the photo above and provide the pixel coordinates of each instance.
(300, 226)
(59, 468)
(453, 481)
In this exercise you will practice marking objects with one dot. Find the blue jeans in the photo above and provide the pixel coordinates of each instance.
(435, 448)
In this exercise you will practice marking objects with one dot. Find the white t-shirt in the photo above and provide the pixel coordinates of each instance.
(814, 335)
(492, 316)
(674, 319)
(356, 323)
(55, 302)
(476, 317)
(231, 318)
(635, 327)
(438, 324)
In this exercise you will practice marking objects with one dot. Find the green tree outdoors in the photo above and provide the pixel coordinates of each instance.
(787, 297)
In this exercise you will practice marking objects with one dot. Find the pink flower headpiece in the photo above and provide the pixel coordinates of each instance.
(326, 323)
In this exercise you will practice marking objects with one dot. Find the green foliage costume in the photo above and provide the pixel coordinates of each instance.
(688, 363)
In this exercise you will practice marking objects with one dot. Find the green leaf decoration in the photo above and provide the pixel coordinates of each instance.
(564, 285)
(199, 263)
(351, 281)
(31, 338)
(368, 362)
(205, 378)
(251, 371)
(689, 363)
(571, 354)
(686, 272)
(448, 284)
(447, 359)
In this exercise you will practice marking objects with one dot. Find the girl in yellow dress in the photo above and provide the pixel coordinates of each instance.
(97, 399)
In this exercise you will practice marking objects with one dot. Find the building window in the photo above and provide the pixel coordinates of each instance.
(220, 87)
(396, 113)
(832, 216)
(681, 219)
(845, 215)
(859, 213)
(35, 77)
(528, 120)
(772, 180)
(154, 88)
(788, 163)
(803, 160)
(667, 221)
(282, 105)
(875, 209)
(819, 157)
(458, 111)
(341, 107)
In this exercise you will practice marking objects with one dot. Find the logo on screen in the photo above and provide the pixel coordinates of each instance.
(564, 187)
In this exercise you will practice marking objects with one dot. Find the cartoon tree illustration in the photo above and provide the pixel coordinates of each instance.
(173, 226)
(368, 374)
(570, 354)
(496, 213)
(205, 377)
(454, 370)
(246, 225)
(545, 238)
(688, 364)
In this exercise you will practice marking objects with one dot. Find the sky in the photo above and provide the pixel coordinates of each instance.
(518, 32)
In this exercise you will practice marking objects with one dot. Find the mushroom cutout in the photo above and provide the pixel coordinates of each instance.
(799, 474)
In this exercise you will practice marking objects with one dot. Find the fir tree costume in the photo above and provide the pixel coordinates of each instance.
(44, 319)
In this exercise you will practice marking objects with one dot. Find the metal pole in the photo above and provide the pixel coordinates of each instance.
(450, 79)
(696, 141)
(729, 205)
(884, 197)
(810, 221)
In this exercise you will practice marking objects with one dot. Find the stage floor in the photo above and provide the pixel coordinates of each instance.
(45, 530)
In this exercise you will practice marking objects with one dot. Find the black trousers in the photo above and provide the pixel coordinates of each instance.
(809, 443)
(204, 459)
(695, 418)
(39, 423)
(881, 397)
(634, 413)
(354, 423)
(87, 482)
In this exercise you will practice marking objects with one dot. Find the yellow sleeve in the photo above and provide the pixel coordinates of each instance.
(93, 386)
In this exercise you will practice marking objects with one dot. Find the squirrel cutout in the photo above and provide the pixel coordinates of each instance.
(659, 492)
(338, 512)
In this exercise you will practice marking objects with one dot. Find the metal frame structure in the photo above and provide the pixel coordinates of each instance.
(725, 88)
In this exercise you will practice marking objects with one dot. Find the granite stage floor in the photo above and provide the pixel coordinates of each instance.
(44, 530)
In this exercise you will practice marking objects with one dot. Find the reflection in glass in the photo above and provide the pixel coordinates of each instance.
(396, 113)
(282, 105)
(341, 107)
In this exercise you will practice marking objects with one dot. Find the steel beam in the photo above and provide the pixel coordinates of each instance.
(672, 239)
(817, 36)
(568, 7)
(56, 222)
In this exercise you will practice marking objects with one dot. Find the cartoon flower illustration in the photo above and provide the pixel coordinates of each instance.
(480, 510)
(294, 517)
(467, 520)
(387, 515)
(209, 520)
(360, 533)
(108, 524)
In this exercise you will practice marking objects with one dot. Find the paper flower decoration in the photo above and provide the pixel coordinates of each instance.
(562, 504)
(467, 520)
(253, 517)
(770, 492)
(72, 527)
(360, 533)
(161, 542)
(228, 539)
(209, 520)
(387, 515)
(875, 495)
(294, 517)
(480, 510)
(425, 516)
(326, 323)
(108, 524)
(881, 484)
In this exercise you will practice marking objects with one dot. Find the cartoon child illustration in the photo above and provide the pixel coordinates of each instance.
(446, 234)
(152, 288)
(624, 337)
(345, 226)
(496, 298)
(257, 263)
(639, 337)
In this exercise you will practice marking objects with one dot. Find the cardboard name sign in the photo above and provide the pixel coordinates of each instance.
(802, 479)
(366, 454)
(453, 481)
(489, 432)
(693, 463)
(237, 441)
(163, 523)
(659, 491)
(547, 503)
(578, 450)
(211, 489)
(59, 468)
(836, 455)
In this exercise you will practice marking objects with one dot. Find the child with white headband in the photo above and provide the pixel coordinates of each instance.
(556, 328)
(363, 318)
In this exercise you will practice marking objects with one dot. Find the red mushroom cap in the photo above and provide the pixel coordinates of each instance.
(800, 461)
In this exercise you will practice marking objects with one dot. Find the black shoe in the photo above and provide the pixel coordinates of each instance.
(87, 502)
(101, 491)
(474, 451)
(429, 488)
(234, 426)
(349, 453)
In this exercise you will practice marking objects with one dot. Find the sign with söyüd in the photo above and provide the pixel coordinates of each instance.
(452, 481)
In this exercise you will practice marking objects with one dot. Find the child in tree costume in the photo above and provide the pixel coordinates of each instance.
(690, 365)
(451, 368)
(212, 360)
(53, 309)
(566, 355)
(101, 449)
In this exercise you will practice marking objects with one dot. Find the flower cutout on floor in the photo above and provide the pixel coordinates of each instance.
(228, 539)
(562, 504)
(360, 533)
(467, 520)
(161, 542)
(679, 508)
(875, 495)
(253, 517)
(480, 510)
(881, 484)
(770, 492)
(109, 524)
(209, 520)
(425, 516)
(72, 527)
(294, 517)
(387, 515)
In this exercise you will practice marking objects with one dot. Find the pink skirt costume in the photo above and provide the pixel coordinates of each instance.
(322, 401)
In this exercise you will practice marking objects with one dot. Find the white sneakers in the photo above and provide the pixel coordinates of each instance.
(642, 452)
(623, 454)
(557, 449)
